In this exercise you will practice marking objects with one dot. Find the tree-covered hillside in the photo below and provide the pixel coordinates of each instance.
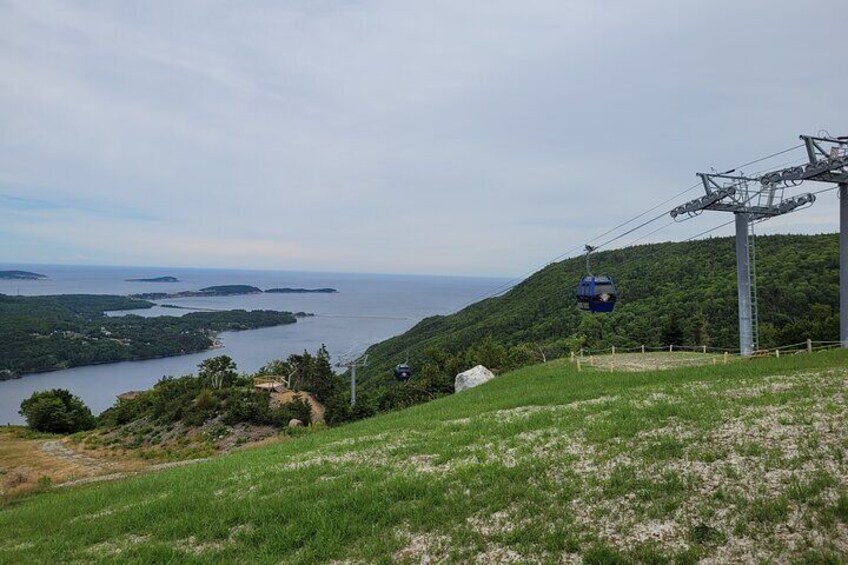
(681, 293)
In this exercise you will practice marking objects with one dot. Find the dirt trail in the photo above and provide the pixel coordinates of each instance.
(97, 470)
(125, 474)
(57, 449)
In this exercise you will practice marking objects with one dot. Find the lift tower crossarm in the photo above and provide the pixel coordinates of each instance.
(736, 197)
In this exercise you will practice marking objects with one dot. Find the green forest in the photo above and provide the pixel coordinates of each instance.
(670, 293)
(45, 333)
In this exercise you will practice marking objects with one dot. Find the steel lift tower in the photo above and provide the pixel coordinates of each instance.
(351, 364)
(752, 199)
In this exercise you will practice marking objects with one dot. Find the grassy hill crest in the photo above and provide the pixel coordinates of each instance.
(729, 463)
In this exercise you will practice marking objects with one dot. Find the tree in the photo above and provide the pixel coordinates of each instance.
(56, 411)
(672, 333)
(219, 371)
(314, 373)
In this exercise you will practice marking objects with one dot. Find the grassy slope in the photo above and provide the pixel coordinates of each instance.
(743, 460)
(655, 280)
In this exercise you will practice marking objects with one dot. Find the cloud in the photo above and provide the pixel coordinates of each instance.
(452, 137)
(69, 204)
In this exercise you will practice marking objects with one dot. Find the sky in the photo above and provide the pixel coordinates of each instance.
(445, 137)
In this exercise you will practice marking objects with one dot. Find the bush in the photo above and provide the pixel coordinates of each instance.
(127, 410)
(173, 396)
(403, 396)
(246, 406)
(297, 409)
(202, 408)
(56, 411)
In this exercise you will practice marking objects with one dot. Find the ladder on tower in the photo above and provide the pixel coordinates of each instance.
(752, 276)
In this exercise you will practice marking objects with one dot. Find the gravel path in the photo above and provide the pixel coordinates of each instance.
(123, 475)
(57, 449)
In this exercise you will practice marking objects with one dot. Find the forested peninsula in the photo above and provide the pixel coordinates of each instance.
(46, 333)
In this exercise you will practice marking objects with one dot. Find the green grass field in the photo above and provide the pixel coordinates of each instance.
(726, 463)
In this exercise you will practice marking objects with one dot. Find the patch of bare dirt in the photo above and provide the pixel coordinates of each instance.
(638, 362)
(424, 549)
(194, 547)
(114, 547)
(281, 398)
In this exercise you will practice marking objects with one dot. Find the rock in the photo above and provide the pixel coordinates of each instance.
(295, 423)
(472, 377)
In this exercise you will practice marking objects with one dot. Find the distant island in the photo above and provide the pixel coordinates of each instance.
(300, 290)
(156, 280)
(47, 333)
(226, 290)
(21, 276)
(222, 290)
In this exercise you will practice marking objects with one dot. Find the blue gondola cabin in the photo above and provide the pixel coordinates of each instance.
(403, 372)
(596, 294)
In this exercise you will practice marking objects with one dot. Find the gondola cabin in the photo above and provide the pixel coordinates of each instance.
(403, 372)
(596, 294)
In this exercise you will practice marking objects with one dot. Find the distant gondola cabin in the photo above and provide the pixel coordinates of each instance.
(403, 372)
(596, 294)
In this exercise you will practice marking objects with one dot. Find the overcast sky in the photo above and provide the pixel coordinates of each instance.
(453, 137)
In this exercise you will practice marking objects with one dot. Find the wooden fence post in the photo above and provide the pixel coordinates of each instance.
(809, 346)
(643, 349)
(613, 351)
(725, 358)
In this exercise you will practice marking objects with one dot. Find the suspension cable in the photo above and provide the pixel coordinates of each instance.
(709, 230)
(513, 282)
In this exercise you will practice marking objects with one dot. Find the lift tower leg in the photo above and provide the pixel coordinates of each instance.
(353, 385)
(843, 264)
(743, 282)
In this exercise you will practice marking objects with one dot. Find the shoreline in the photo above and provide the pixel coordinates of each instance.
(216, 344)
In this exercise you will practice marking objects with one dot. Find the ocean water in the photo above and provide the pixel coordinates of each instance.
(367, 309)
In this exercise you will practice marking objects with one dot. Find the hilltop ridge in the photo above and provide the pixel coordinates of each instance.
(681, 293)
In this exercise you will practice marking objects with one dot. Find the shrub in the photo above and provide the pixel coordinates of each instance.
(56, 411)
(298, 409)
(127, 410)
(202, 408)
(247, 406)
(172, 396)
(403, 396)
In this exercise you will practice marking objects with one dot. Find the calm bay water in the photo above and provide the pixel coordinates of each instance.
(367, 309)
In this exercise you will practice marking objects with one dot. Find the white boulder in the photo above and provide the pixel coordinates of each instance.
(472, 377)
